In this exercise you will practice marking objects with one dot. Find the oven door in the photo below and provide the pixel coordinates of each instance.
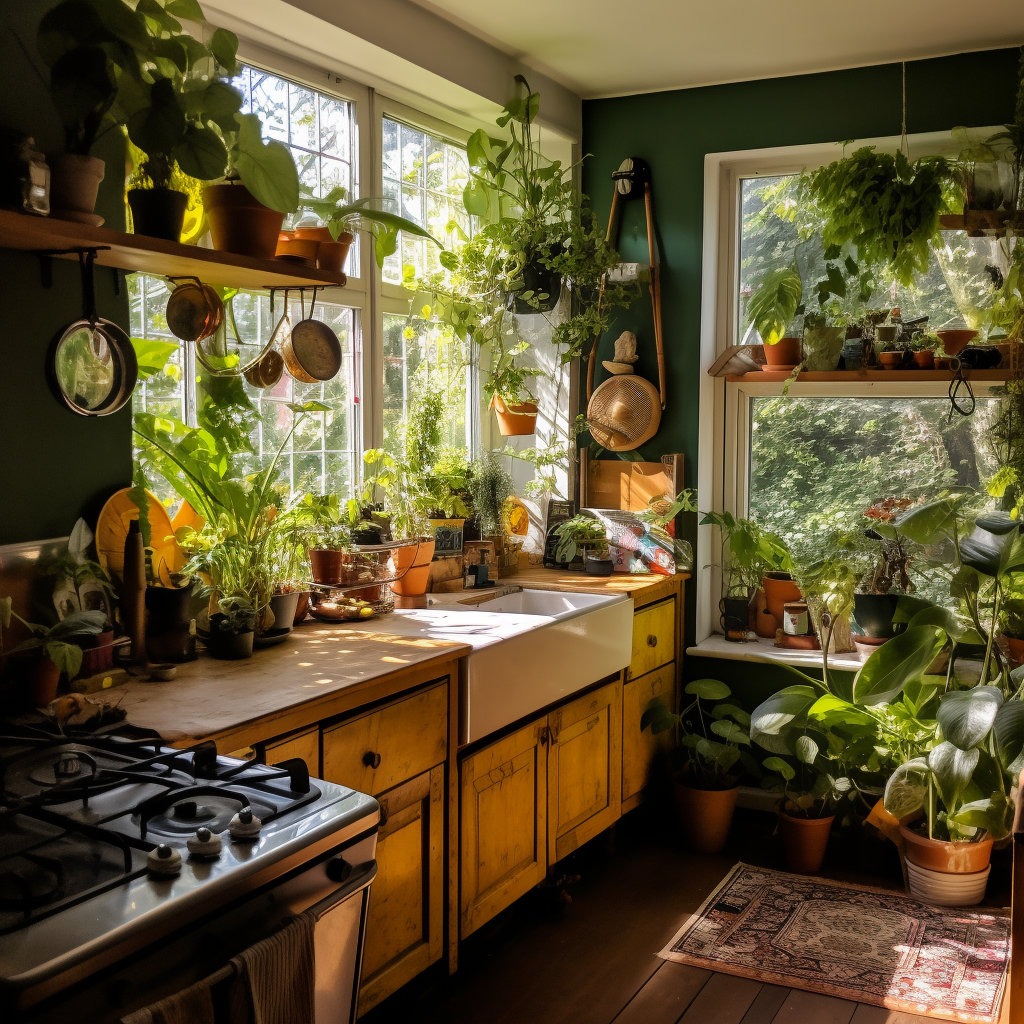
(334, 889)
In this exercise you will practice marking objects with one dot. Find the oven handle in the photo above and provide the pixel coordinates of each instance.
(353, 878)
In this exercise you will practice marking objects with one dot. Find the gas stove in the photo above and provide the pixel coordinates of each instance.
(112, 841)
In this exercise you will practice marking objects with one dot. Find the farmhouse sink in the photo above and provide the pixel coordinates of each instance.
(531, 648)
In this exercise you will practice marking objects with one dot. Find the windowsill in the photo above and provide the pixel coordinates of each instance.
(716, 646)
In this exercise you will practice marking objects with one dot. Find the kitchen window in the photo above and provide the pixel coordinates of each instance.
(420, 173)
(809, 457)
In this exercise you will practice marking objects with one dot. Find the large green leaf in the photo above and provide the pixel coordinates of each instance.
(708, 689)
(731, 733)
(806, 749)
(966, 716)
(993, 814)
(895, 663)
(771, 721)
(907, 788)
(1009, 735)
(267, 169)
(952, 769)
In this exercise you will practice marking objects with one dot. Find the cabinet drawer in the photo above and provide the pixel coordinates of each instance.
(302, 744)
(654, 637)
(380, 749)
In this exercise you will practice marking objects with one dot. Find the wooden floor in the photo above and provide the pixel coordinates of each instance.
(583, 950)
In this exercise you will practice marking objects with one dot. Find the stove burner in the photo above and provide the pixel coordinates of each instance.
(190, 810)
(70, 763)
(68, 766)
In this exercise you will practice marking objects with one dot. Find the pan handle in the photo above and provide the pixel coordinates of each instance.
(86, 262)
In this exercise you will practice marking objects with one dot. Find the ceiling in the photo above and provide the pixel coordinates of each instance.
(599, 48)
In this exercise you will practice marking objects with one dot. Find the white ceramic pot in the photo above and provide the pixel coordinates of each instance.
(944, 888)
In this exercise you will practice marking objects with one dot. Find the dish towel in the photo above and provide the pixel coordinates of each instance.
(278, 973)
(192, 1005)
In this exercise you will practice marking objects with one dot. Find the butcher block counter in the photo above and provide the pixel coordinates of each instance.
(318, 671)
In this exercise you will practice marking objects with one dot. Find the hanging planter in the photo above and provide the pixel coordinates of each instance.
(515, 419)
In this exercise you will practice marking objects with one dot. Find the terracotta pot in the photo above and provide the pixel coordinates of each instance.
(778, 589)
(158, 212)
(412, 564)
(707, 815)
(74, 186)
(332, 252)
(327, 565)
(43, 679)
(98, 656)
(1015, 648)
(783, 355)
(515, 419)
(891, 360)
(954, 341)
(240, 224)
(301, 607)
(804, 841)
(924, 360)
(952, 858)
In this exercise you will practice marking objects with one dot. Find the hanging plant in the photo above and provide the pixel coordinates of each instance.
(884, 205)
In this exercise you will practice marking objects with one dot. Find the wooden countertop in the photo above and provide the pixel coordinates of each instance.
(322, 669)
(315, 665)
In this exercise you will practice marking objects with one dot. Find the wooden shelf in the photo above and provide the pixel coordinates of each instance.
(156, 256)
(979, 222)
(855, 376)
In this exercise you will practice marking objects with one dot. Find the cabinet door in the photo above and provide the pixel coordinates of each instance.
(377, 751)
(584, 768)
(654, 638)
(405, 925)
(302, 744)
(503, 815)
(639, 748)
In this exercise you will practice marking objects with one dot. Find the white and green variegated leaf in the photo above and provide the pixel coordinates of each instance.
(952, 769)
(966, 716)
(806, 749)
(907, 788)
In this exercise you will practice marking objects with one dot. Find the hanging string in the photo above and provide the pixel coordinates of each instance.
(956, 403)
(904, 141)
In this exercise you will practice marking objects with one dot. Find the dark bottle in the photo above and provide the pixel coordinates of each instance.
(133, 593)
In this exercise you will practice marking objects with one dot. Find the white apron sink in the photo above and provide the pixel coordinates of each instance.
(531, 648)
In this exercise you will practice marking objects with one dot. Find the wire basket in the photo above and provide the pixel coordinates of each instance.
(366, 575)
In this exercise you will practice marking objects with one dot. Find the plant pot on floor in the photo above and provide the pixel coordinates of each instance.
(706, 815)
(239, 223)
(158, 212)
(950, 874)
(804, 841)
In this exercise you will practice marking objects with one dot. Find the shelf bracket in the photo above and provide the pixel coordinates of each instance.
(46, 257)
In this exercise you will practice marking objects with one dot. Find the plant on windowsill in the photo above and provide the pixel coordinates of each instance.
(707, 755)
(772, 307)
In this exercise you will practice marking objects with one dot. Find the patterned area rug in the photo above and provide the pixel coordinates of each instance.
(868, 945)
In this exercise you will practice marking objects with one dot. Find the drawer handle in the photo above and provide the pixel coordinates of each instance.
(652, 640)
(371, 759)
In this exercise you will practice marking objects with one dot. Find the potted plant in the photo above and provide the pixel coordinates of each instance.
(810, 792)
(339, 219)
(706, 758)
(57, 648)
(490, 487)
(583, 539)
(888, 578)
(771, 309)
(923, 347)
(536, 231)
(232, 628)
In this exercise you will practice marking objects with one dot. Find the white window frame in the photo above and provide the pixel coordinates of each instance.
(724, 406)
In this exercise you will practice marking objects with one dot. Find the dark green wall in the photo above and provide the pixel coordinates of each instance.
(673, 131)
(54, 464)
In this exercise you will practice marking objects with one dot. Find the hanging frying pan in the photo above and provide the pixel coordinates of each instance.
(194, 311)
(625, 411)
(93, 364)
(312, 352)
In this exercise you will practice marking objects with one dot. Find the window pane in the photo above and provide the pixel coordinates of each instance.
(817, 463)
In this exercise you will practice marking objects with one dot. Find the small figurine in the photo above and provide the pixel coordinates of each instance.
(625, 354)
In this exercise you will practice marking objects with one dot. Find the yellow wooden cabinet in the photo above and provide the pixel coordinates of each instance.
(653, 672)
(305, 745)
(535, 795)
(397, 753)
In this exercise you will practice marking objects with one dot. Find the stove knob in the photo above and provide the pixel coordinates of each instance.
(164, 861)
(204, 844)
(245, 826)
